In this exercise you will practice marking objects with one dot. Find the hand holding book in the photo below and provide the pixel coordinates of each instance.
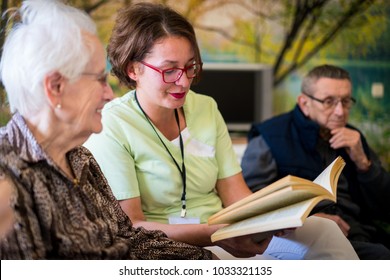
(283, 204)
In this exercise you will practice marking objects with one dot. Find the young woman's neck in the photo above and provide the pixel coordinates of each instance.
(163, 118)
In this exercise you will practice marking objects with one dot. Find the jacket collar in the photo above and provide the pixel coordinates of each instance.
(308, 130)
(30, 151)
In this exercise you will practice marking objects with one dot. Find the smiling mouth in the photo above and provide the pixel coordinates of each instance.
(178, 95)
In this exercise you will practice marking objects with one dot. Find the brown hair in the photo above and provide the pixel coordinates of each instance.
(137, 28)
(323, 71)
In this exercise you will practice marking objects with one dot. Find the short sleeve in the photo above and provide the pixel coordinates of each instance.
(114, 158)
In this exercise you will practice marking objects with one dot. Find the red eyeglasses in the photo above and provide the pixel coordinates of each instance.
(171, 75)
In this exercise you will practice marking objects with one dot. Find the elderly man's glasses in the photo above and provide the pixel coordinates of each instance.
(331, 102)
(171, 75)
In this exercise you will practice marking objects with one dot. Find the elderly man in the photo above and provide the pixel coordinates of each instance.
(305, 140)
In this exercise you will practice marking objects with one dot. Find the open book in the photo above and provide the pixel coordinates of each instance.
(283, 204)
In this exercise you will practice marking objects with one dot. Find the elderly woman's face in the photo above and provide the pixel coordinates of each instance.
(85, 98)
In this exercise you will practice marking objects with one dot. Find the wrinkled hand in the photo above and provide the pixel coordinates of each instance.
(349, 139)
(250, 245)
(343, 225)
(284, 232)
(244, 246)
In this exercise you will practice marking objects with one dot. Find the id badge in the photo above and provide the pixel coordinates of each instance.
(183, 220)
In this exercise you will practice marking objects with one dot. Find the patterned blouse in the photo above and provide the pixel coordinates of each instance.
(56, 218)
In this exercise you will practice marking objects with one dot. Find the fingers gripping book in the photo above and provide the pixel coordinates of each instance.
(283, 204)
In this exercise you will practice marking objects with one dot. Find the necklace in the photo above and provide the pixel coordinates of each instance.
(182, 170)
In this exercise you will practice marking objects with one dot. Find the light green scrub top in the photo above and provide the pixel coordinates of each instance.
(136, 163)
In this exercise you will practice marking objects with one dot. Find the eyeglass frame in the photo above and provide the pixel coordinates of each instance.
(100, 77)
(162, 71)
(334, 104)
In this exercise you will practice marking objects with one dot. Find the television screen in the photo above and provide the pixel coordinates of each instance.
(243, 92)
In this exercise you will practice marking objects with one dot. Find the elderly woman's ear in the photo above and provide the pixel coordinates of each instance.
(53, 85)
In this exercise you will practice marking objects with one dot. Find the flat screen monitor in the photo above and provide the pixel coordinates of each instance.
(243, 92)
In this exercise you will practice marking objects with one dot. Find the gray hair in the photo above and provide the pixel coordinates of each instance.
(48, 38)
(322, 71)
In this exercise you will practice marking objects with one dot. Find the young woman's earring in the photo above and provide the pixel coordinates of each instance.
(58, 106)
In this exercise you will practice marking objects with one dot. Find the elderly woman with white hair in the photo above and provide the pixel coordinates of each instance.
(53, 69)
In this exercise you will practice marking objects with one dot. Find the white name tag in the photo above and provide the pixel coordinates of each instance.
(182, 221)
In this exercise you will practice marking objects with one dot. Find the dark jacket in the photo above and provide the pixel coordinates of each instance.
(292, 139)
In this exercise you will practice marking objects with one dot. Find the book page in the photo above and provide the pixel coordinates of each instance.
(276, 186)
(330, 176)
(287, 217)
(273, 201)
(281, 193)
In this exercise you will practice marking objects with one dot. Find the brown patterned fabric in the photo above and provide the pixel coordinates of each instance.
(57, 219)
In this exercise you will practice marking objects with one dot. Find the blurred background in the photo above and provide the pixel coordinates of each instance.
(289, 37)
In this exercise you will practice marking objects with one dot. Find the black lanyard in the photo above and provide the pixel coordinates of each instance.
(182, 170)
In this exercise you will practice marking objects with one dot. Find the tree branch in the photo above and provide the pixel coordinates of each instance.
(355, 8)
(224, 34)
